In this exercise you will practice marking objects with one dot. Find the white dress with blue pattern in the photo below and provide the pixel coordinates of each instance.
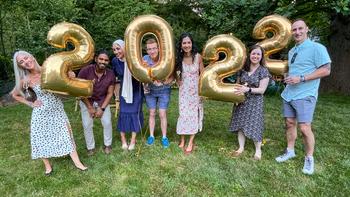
(50, 134)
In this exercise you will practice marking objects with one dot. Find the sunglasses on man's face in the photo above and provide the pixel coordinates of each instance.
(293, 58)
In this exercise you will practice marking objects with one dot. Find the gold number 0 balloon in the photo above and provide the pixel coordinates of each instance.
(281, 29)
(211, 84)
(55, 68)
(139, 27)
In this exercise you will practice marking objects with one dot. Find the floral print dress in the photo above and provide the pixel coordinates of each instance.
(248, 116)
(190, 105)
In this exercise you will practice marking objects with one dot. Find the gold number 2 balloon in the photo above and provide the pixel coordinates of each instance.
(54, 75)
(280, 27)
(139, 27)
(211, 85)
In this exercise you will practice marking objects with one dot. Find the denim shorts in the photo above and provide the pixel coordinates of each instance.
(301, 109)
(158, 96)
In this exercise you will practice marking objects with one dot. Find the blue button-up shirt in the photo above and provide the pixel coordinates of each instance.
(308, 56)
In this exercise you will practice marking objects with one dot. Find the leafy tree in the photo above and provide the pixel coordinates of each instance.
(183, 16)
(28, 21)
(24, 23)
(329, 22)
(236, 16)
(110, 18)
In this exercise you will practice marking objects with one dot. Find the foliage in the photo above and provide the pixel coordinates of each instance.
(109, 19)
(5, 64)
(209, 171)
(317, 14)
(24, 23)
(184, 16)
(28, 21)
(237, 17)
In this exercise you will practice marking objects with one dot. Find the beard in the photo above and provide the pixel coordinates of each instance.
(102, 66)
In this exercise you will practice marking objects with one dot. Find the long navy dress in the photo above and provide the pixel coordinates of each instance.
(130, 117)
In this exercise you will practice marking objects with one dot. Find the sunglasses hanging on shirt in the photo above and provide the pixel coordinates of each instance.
(293, 57)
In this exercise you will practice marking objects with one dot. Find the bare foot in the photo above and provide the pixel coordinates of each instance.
(189, 148)
(257, 156)
(48, 171)
(81, 167)
(182, 145)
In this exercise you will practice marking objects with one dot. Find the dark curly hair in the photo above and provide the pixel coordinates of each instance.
(99, 52)
(262, 62)
(180, 52)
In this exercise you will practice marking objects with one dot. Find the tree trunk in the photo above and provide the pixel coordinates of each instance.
(339, 50)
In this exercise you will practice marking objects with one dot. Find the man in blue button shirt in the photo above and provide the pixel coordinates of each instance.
(308, 62)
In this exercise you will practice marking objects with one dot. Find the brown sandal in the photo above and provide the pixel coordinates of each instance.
(188, 152)
(236, 153)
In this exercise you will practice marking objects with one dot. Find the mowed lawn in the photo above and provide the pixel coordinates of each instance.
(209, 171)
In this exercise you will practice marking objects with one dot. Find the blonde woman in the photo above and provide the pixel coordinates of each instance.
(50, 131)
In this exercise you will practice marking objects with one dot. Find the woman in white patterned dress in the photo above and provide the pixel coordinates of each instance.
(50, 131)
(189, 65)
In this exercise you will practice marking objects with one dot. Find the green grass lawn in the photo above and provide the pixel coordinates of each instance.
(209, 171)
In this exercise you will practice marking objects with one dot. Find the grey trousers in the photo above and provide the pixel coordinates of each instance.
(88, 124)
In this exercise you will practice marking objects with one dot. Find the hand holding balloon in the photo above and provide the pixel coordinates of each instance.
(55, 77)
(143, 25)
(211, 84)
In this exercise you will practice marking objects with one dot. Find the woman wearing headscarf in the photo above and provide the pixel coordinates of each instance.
(130, 119)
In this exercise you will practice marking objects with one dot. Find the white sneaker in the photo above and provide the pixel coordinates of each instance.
(125, 146)
(131, 147)
(308, 165)
(286, 156)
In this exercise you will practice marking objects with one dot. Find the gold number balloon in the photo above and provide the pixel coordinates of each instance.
(280, 27)
(211, 84)
(139, 27)
(54, 75)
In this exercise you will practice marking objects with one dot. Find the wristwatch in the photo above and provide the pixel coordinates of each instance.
(302, 78)
(103, 109)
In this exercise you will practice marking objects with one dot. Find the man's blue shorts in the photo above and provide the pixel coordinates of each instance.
(158, 96)
(301, 109)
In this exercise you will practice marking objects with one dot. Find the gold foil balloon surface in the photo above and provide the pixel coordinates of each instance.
(55, 69)
(139, 27)
(280, 27)
(211, 85)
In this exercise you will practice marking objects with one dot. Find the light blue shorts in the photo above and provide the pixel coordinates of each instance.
(301, 109)
(160, 97)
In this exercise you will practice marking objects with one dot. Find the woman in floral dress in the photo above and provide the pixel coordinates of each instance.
(189, 65)
(248, 117)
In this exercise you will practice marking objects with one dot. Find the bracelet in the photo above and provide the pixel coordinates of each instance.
(250, 90)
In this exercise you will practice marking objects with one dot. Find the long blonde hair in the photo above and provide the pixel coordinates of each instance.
(21, 73)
